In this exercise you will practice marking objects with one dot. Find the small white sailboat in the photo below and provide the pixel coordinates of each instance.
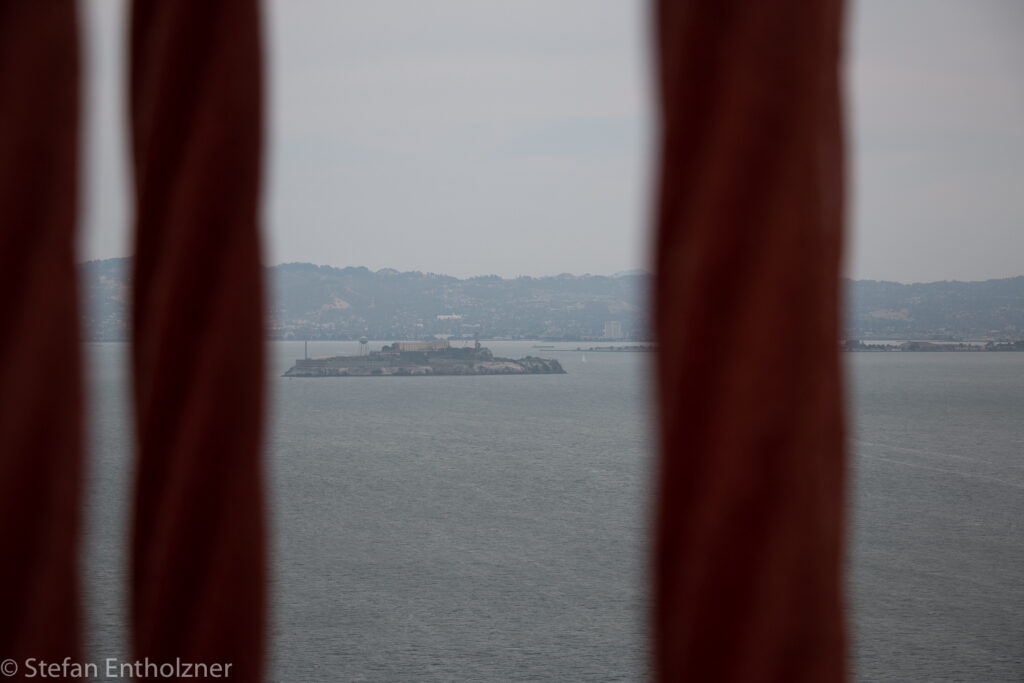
(583, 358)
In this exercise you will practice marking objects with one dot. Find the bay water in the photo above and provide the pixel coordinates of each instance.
(496, 528)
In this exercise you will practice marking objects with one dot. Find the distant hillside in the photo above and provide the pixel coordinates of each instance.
(346, 303)
(993, 309)
(320, 302)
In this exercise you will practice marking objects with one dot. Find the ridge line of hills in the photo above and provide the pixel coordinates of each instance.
(324, 302)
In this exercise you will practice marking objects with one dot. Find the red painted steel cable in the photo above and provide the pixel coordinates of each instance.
(198, 557)
(750, 512)
(40, 367)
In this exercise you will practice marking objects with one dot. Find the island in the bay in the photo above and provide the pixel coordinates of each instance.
(405, 359)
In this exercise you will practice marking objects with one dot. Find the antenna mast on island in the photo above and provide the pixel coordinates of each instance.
(476, 340)
(307, 349)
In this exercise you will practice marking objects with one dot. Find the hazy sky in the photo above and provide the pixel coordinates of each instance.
(513, 136)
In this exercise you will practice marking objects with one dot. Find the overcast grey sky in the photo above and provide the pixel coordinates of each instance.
(513, 137)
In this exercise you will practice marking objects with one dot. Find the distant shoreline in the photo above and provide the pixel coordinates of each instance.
(857, 346)
(851, 346)
(632, 348)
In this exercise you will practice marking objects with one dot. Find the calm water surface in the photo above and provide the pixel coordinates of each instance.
(494, 528)
(937, 544)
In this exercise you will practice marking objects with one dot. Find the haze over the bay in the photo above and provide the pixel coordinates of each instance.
(514, 136)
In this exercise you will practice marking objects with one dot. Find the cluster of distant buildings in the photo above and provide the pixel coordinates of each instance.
(613, 330)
